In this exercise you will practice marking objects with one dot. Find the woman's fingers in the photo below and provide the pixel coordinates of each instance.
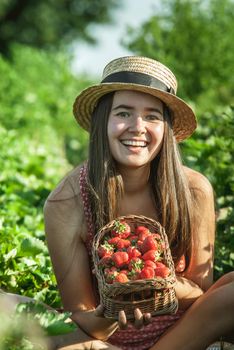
(123, 323)
(139, 319)
(147, 318)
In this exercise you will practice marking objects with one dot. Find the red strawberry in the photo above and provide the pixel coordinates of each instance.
(161, 270)
(139, 244)
(135, 264)
(161, 244)
(121, 229)
(140, 229)
(123, 243)
(149, 243)
(106, 260)
(134, 275)
(143, 235)
(110, 274)
(142, 232)
(147, 273)
(104, 249)
(151, 255)
(133, 252)
(110, 269)
(113, 240)
(121, 278)
(150, 263)
(120, 258)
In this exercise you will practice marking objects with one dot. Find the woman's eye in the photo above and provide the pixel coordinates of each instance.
(123, 114)
(153, 117)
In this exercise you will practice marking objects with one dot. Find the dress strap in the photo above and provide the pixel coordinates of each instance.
(89, 223)
(87, 208)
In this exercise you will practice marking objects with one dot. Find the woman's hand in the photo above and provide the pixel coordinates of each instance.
(140, 319)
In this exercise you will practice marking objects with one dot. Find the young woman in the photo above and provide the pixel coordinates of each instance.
(135, 121)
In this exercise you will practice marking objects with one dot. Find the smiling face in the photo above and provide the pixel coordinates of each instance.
(135, 128)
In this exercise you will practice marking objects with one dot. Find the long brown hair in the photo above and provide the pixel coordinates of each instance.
(104, 183)
(173, 198)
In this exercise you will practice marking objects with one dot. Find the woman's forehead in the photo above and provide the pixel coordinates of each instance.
(136, 98)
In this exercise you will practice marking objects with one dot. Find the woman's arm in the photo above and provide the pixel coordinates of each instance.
(198, 277)
(65, 232)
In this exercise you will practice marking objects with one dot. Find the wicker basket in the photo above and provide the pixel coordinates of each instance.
(156, 295)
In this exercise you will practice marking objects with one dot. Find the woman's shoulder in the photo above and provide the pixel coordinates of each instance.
(198, 182)
(68, 188)
(65, 200)
(63, 209)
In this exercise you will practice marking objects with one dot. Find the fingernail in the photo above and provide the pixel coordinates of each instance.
(138, 314)
(147, 318)
(122, 320)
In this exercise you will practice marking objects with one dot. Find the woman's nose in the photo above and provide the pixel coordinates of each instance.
(137, 125)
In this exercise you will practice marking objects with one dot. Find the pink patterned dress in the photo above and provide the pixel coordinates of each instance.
(131, 338)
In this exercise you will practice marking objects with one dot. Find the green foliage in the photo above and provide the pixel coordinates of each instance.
(25, 266)
(36, 96)
(53, 323)
(50, 23)
(29, 326)
(18, 332)
(188, 36)
(38, 138)
(211, 151)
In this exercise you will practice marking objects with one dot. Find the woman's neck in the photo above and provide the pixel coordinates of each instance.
(137, 198)
(135, 180)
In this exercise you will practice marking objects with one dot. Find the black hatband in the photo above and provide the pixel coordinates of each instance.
(137, 78)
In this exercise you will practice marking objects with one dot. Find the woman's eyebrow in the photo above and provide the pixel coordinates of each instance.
(147, 109)
(151, 109)
(122, 106)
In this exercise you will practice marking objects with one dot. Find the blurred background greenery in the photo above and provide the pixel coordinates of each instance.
(40, 141)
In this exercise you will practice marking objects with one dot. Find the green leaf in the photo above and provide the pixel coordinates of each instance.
(58, 327)
(12, 253)
(33, 246)
(53, 322)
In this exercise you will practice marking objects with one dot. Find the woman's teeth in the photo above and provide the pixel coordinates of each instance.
(134, 143)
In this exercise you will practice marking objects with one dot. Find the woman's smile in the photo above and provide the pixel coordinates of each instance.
(134, 146)
(134, 143)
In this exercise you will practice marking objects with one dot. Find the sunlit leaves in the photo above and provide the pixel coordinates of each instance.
(52, 322)
(188, 36)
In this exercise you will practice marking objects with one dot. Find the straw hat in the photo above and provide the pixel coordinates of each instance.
(139, 74)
